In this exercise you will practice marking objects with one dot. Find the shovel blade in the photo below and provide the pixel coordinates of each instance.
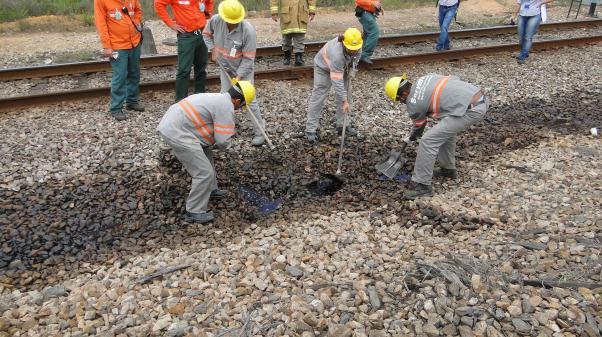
(392, 171)
(390, 162)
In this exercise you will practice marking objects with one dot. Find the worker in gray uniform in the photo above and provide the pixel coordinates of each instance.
(232, 42)
(333, 65)
(456, 103)
(193, 127)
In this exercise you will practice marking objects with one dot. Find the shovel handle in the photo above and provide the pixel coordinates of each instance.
(342, 144)
(255, 121)
(261, 129)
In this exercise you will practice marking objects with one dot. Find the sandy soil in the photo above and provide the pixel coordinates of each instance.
(37, 48)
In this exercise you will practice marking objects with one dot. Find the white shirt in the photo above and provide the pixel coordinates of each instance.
(529, 7)
(447, 2)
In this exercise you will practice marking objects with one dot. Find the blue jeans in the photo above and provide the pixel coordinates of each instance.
(527, 27)
(446, 15)
(370, 35)
(126, 78)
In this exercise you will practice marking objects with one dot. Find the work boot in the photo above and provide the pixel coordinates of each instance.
(218, 194)
(299, 59)
(366, 60)
(311, 136)
(136, 107)
(417, 190)
(351, 131)
(287, 58)
(445, 173)
(258, 140)
(119, 115)
(202, 217)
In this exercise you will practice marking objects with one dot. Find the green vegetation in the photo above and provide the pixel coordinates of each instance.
(12, 10)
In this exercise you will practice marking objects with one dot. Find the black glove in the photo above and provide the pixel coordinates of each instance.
(417, 132)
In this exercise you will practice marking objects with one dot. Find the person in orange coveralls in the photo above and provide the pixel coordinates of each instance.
(190, 17)
(119, 27)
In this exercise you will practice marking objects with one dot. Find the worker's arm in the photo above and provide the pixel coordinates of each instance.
(161, 9)
(249, 49)
(100, 20)
(208, 8)
(208, 34)
(274, 8)
(311, 7)
(337, 77)
(137, 19)
(223, 127)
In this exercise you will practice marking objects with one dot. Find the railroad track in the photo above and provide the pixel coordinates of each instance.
(291, 73)
(170, 60)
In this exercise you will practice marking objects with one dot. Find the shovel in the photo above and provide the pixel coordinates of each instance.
(394, 163)
(255, 121)
(330, 183)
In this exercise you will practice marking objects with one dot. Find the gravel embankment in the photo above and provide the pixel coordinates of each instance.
(87, 210)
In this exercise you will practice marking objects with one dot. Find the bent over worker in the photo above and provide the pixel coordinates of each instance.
(233, 42)
(294, 16)
(190, 17)
(192, 128)
(119, 27)
(333, 65)
(456, 103)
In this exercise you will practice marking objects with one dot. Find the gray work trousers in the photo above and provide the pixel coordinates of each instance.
(322, 84)
(439, 143)
(294, 41)
(198, 161)
(253, 107)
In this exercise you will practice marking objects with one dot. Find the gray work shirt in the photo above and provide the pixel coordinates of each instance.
(529, 7)
(206, 119)
(438, 96)
(447, 2)
(333, 58)
(235, 49)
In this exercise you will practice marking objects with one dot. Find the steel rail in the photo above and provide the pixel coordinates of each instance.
(292, 73)
(169, 60)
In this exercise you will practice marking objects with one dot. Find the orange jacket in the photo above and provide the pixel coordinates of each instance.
(114, 27)
(366, 5)
(187, 13)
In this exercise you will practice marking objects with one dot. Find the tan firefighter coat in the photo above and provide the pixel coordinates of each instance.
(294, 14)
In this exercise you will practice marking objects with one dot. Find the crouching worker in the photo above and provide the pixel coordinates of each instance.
(195, 126)
(456, 103)
(333, 65)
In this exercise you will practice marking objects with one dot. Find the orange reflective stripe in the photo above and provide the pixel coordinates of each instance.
(325, 56)
(223, 126)
(436, 97)
(199, 116)
(336, 76)
(223, 129)
(195, 118)
(248, 53)
(226, 53)
(420, 122)
(224, 132)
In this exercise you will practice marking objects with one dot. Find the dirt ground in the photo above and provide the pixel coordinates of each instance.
(53, 47)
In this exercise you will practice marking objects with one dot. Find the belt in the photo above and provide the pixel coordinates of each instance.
(194, 32)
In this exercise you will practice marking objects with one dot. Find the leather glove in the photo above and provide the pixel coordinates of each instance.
(408, 141)
(416, 133)
(222, 146)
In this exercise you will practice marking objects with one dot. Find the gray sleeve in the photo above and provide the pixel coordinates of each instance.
(337, 76)
(208, 35)
(223, 127)
(249, 49)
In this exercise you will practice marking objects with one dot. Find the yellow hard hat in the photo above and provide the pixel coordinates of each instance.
(352, 39)
(393, 85)
(248, 91)
(231, 11)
